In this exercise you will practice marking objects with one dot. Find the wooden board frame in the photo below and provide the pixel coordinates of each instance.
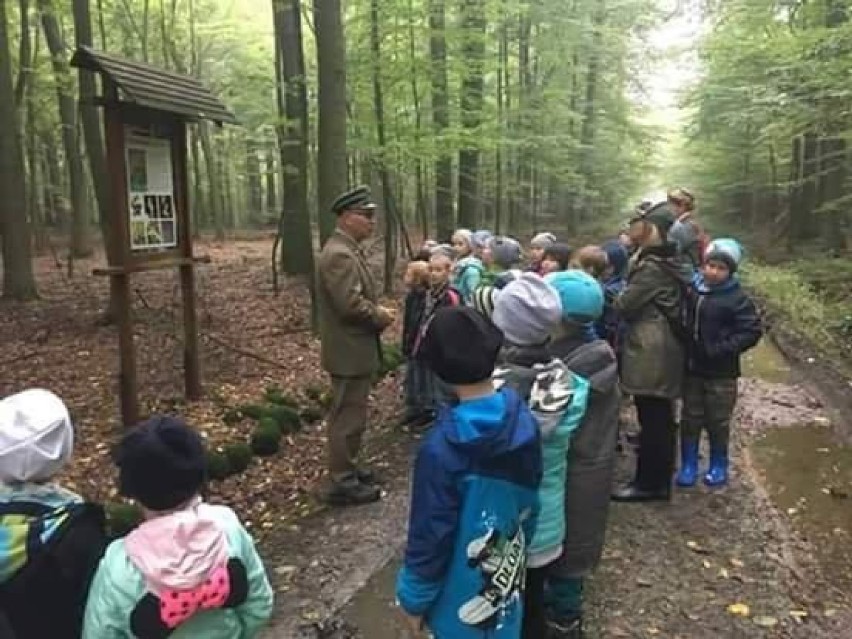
(117, 117)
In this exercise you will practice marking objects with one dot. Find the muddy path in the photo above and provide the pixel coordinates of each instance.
(765, 557)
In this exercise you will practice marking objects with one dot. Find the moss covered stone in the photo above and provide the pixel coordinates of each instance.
(285, 417)
(239, 456)
(266, 440)
(274, 395)
(311, 415)
(122, 518)
(252, 411)
(218, 465)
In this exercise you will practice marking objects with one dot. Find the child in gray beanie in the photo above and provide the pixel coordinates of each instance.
(501, 259)
(538, 245)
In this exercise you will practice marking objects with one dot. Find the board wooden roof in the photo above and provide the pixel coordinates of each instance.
(155, 88)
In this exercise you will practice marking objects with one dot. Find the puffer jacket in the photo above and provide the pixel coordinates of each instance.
(122, 600)
(725, 324)
(653, 359)
(592, 454)
(473, 507)
(557, 399)
(467, 276)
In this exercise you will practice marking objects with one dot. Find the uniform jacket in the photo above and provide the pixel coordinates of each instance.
(473, 508)
(725, 324)
(121, 587)
(557, 399)
(592, 455)
(349, 321)
(653, 358)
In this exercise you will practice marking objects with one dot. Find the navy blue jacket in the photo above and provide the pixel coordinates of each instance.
(725, 324)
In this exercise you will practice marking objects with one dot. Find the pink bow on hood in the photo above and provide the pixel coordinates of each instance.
(179, 550)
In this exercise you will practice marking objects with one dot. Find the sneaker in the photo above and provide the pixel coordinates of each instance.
(351, 493)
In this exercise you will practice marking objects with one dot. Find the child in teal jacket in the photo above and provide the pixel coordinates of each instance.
(190, 570)
(527, 311)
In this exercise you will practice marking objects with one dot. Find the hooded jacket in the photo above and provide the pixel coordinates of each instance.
(653, 361)
(195, 571)
(725, 324)
(473, 507)
(467, 277)
(50, 545)
(557, 399)
(592, 455)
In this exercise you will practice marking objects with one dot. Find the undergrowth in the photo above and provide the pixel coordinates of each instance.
(824, 319)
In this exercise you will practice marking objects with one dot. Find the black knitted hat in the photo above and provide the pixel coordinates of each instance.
(461, 345)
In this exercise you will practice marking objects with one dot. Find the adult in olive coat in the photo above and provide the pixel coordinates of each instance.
(653, 358)
(351, 321)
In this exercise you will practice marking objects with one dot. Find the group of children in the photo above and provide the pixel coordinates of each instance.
(511, 487)
(189, 570)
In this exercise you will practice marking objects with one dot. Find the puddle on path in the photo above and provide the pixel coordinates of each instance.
(809, 476)
(766, 362)
(373, 610)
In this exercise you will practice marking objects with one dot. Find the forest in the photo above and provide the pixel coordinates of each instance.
(511, 115)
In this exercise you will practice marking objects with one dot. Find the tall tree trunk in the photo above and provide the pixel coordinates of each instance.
(214, 185)
(297, 255)
(473, 51)
(198, 204)
(271, 183)
(332, 165)
(254, 181)
(390, 213)
(53, 181)
(420, 200)
(18, 280)
(589, 127)
(25, 53)
(444, 215)
(80, 241)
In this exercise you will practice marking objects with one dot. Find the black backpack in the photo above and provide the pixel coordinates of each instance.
(682, 321)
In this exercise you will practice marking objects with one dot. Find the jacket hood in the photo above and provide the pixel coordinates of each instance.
(594, 361)
(491, 426)
(178, 551)
(470, 260)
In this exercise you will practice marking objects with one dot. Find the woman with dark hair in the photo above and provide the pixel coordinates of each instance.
(653, 358)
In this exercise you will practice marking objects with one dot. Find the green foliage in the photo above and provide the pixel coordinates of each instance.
(286, 418)
(270, 423)
(266, 439)
(121, 518)
(239, 456)
(218, 465)
(252, 411)
(274, 395)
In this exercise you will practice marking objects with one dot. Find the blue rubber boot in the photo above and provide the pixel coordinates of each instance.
(717, 474)
(688, 472)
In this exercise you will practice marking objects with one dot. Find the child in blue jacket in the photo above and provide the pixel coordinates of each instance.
(474, 492)
(528, 310)
(610, 326)
(725, 324)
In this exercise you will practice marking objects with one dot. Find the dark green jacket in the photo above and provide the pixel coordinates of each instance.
(653, 359)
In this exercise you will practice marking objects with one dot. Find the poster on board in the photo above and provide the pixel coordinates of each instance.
(150, 187)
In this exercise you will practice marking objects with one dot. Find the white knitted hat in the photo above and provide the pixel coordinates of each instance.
(36, 437)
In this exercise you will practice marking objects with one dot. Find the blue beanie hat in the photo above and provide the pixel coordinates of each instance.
(581, 295)
(616, 255)
(726, 250)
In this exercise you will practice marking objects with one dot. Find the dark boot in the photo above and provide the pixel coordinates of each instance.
(351, 492)
(717, 474)
(633, 493)
(571, 628)
(688, 463)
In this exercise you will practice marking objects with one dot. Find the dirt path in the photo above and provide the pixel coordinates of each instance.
(670, 571)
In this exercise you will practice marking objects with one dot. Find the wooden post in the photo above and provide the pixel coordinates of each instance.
(120, 285)
(191, 366)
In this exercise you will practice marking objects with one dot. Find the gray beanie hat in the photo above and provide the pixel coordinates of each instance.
(506, 251)
(543, 240)
(36, 437)
(527, 310)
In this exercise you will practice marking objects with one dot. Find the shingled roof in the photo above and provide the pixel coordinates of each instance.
(155, 88)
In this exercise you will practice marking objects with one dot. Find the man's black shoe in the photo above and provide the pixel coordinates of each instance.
(351, 493)
(633, 493)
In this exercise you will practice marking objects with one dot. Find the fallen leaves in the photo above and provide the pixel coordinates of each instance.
(739, 609)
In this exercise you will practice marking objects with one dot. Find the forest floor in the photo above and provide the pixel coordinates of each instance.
(767, 557)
